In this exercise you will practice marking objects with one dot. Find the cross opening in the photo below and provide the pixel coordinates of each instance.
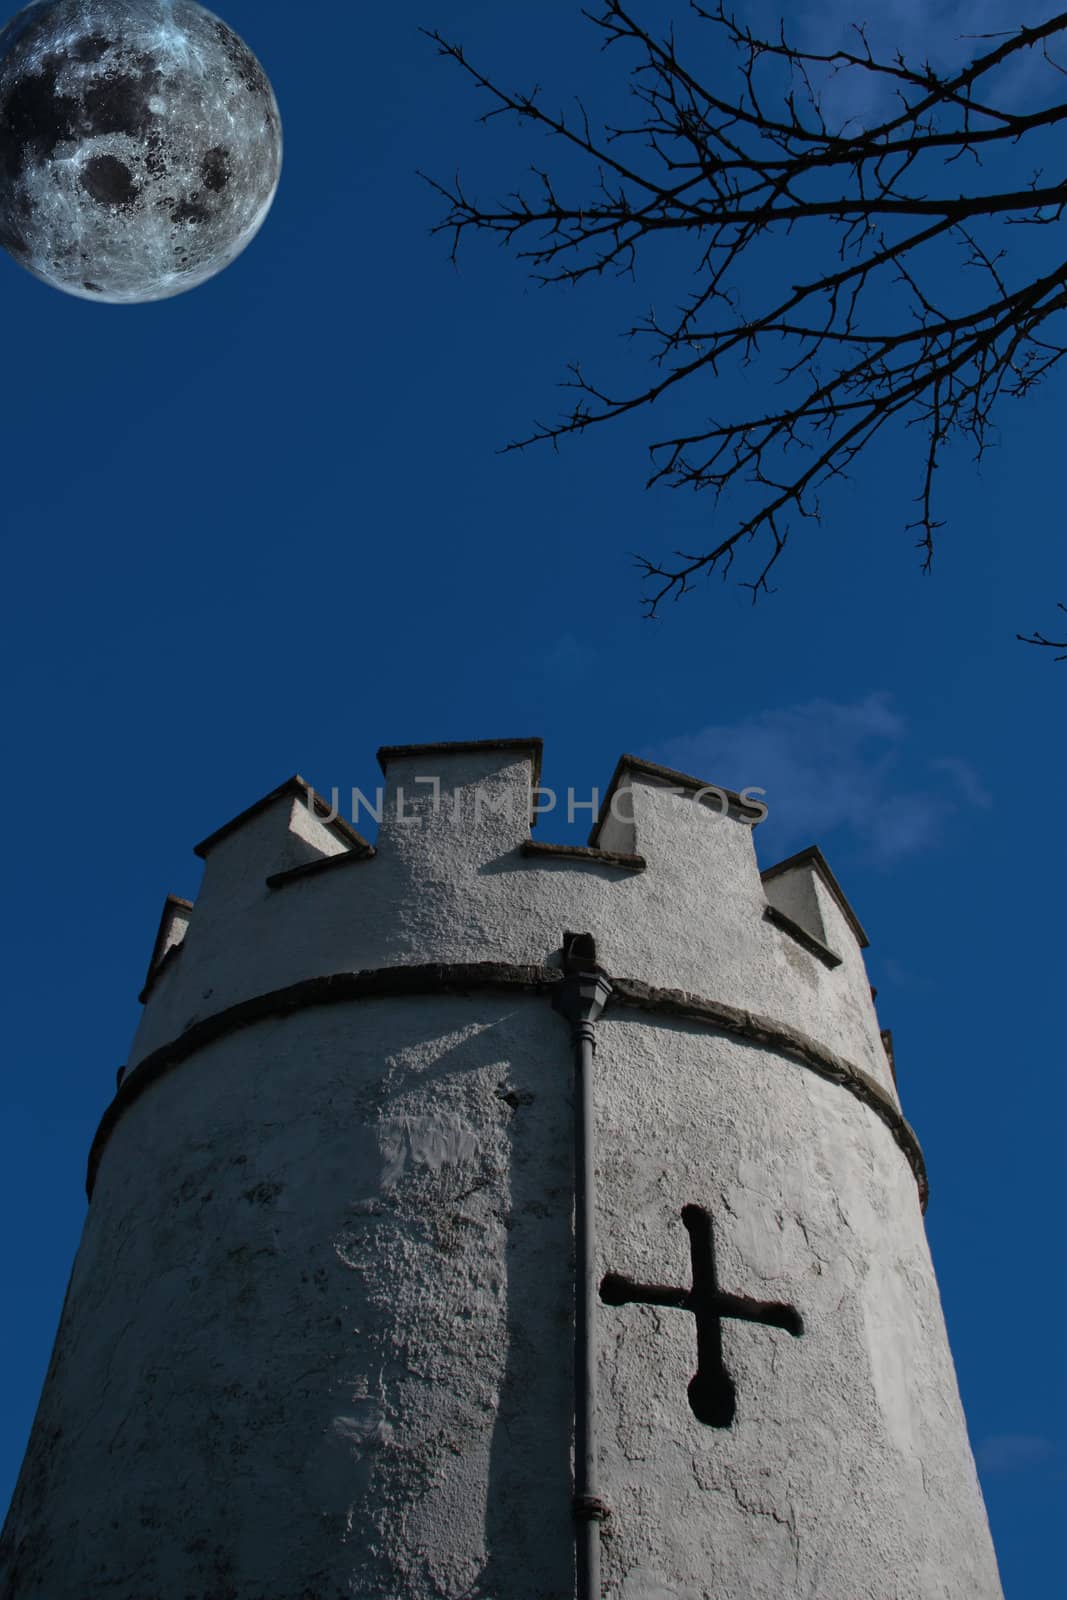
(712, 1395)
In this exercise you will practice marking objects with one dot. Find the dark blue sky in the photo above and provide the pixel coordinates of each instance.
(264, 528)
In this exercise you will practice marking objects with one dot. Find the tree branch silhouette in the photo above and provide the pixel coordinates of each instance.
(1047, 643)
(842, 255)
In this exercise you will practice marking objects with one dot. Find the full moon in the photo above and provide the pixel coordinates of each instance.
(140, 146)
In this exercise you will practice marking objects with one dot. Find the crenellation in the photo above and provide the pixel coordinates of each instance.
(173, 926)
(792, 891)
(326, 1289)
(290, 827)
(615, 828)
(457, 807)
(445, 748)
(293, 788)
(694, 829)
(811, 866)
(746, 806)
(454, 873)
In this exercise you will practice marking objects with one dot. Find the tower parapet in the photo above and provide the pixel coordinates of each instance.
(317, 1335)
(450, 880)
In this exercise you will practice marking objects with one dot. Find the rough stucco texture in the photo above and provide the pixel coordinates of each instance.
(317, 1342)
(442, 891)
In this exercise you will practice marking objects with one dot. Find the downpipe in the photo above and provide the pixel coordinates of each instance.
(580, 999)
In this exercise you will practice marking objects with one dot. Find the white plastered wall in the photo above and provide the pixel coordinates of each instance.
(318, 1336)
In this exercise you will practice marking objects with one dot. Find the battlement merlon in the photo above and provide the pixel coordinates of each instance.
(694, 834)
(173, 926)
(695, 837)
(804, 888)
(462, 802)
(617, 827)
(804, 895)
(289, 827)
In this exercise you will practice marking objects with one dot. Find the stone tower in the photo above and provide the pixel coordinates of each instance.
(391, 1287)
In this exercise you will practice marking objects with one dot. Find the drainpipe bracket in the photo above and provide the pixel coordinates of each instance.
(585, 989)
(590, 1508)
(581, 999)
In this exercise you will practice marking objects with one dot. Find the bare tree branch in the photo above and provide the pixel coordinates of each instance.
(1046, 643)
(866, 337)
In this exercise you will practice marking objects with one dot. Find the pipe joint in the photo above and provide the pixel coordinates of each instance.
(585, 989)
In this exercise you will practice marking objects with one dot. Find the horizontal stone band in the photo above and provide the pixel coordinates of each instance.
(459, 978)
(784, 1040)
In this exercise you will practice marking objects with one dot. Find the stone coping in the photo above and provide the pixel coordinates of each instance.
(669, 777)
(813, 857)
(315, 869)
(459, 747)
(470, 977)
(578, 854)
(299, 789)
(808, 940)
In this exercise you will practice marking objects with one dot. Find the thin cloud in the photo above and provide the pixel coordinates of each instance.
(833, 768)
(971, 786)
(944, 33)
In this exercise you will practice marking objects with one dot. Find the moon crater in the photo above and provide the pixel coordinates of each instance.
(140, 146)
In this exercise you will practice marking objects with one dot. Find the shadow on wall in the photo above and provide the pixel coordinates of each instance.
(529, 1525)
(490, 1195)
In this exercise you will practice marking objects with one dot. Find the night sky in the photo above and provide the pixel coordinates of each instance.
(266, 527)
